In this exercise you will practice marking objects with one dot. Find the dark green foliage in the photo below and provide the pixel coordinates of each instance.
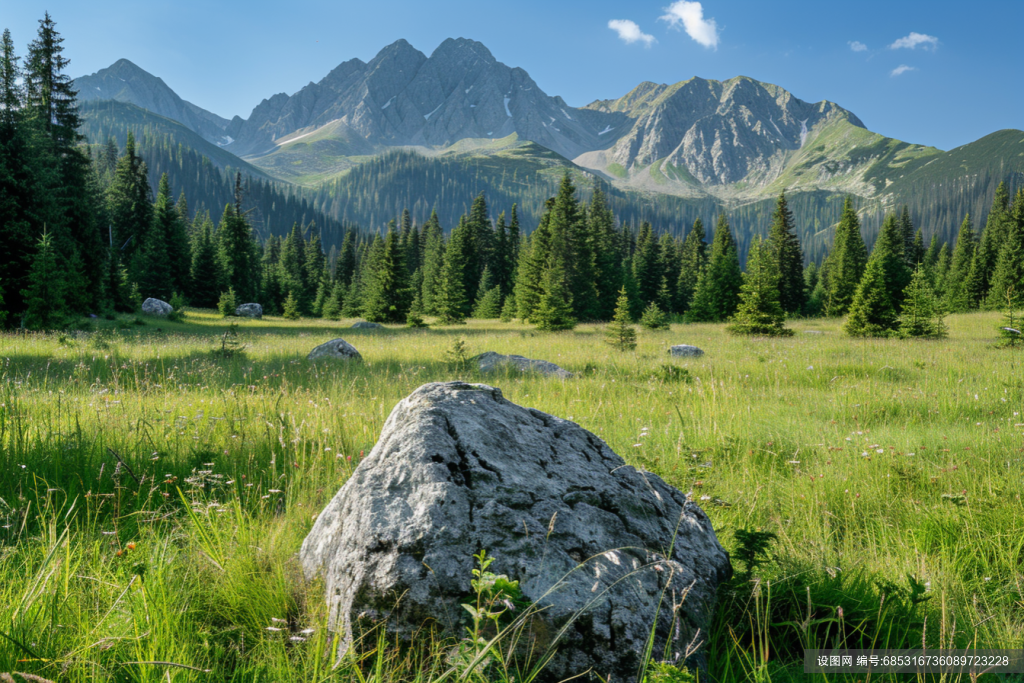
(433, 262)
(508, 309)
(760, 311)
(291, 307)
(488, 306)
(207, 280)
(718, 285)
(993, 237)
(844, 267)
(646, 266)
(872, 313)
(752, 548)
(554, 309)
(889, 251)
(692, 261)
(620, 333)
(654, 318)
(787, 257)
(1009, 270)
(922, 313)
(957, 295)
(607, 254)
(387, 297)
(237, 253)
(227, 303)
(45, 295)
(451, 302)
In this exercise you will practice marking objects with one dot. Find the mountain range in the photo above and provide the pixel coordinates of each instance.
(699, 142)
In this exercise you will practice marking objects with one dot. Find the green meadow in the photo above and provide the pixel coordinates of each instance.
(157, 482)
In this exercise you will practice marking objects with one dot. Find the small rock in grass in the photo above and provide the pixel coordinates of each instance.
(363, 325)
(685, 350)
(156, 307)
(249, 311)
(338, 349)
(496, 362)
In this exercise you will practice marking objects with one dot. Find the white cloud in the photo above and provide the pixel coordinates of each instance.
(691, 16)
(858, 46)
(914, 39)
(629, 32)
(902, 69)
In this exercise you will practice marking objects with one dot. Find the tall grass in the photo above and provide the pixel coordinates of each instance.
(153, 494)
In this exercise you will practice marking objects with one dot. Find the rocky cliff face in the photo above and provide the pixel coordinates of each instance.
(402, 97)
(718, 132)
(123, 81)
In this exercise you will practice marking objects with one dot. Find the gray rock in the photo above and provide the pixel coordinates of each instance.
(249, 311)
(813, 332)
(459, 468)
(153, 306)
(495, 362)
(685, 350)
(363, 325)
(338, 349)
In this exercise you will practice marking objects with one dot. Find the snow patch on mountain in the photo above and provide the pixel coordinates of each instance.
(426, 117)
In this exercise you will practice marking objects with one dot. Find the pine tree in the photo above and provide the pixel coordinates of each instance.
(508, 309)
(433, 262)
(228, 302)
(955, 282)
(718, 285)
(941, 270)
(237, 256)
(760, 311)
(532, 262)
(488, 306)
(620, 333)
(479, 245)
(128, 203)
(335, 303)
(654, 318)
(872, 313)
(691, 263)
(845, 265)
(889, 250)
(607, 254)
(906, 250)
(1009, 271)
(44, 297)
(1011, 330)
(922, 315)
(207, 280)
(554, 309)
(291, 307)
(983, 264)
(387, 296)
(314, 263)
(787, 257)
(646, 265)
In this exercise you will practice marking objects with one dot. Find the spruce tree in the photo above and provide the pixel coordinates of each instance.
(433, 262)
(291, 307)
(647, 265)
(718, 285)
(872, 313)
(237, 253)
(760, 311)
(44, 297)
(620, 333)
(1011, 330)
(654, 318)
(532, 261)
(129, 207)
(983, 264)
(906, 249)
(787, 257)
(846, 262)
(607, 254)
(488, 305)
(692, 261)
(387, 297)
(889, 250)
(922, 314)
(207, 280)
(957, 296)
(228, 302)
(1009, 271)
(554, 309)
(335, 303)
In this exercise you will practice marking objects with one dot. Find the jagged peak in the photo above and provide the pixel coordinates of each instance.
(460, 46)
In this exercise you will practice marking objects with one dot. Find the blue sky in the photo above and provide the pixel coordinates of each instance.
(940, 73)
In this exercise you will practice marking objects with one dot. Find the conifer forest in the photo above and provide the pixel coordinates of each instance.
(217, 336)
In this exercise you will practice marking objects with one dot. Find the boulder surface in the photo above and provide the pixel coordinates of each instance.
(153, 306)
(338, 349)
(495, 362)
(249, 311)
(685, 350)
(363, 325)
(599, 548)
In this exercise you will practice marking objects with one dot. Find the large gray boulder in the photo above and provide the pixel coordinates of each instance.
(363, 325)
(336, 349)
(249, 311)
(600, 549)
(156, 307)
(495, 362)
(685, 351)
